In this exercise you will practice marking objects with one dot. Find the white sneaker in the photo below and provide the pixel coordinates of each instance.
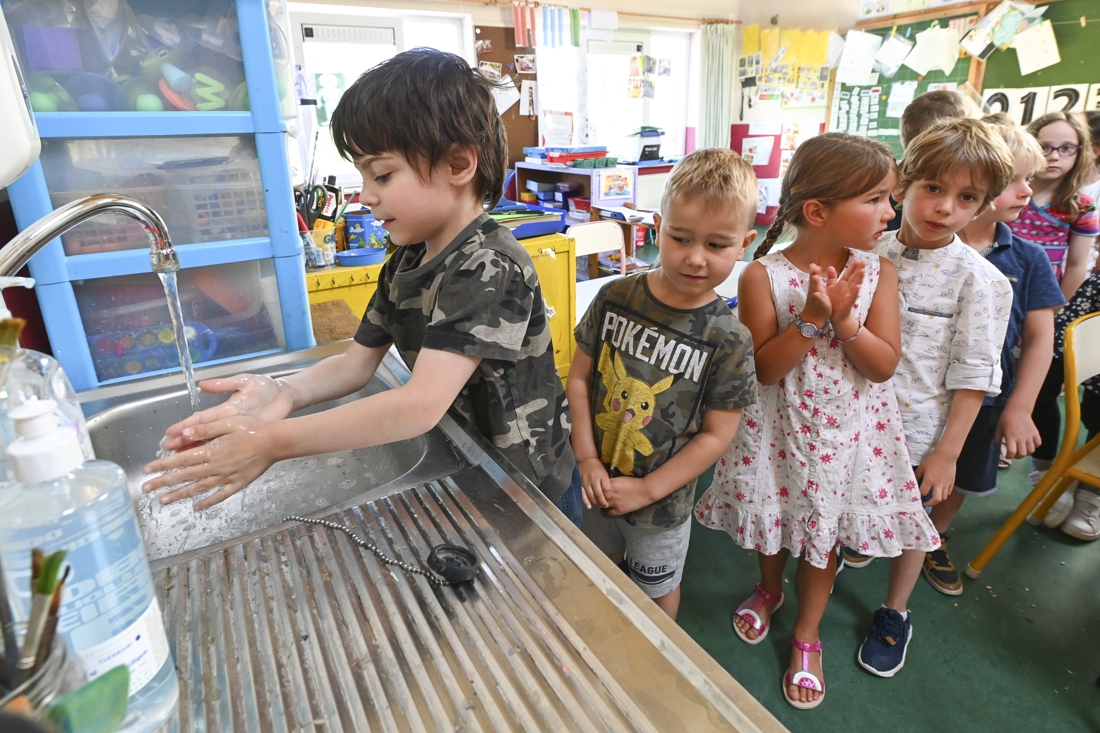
(1035, 477)
(1061, 508)
(1084, 521)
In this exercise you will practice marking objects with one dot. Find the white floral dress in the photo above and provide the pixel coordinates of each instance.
(821, 458)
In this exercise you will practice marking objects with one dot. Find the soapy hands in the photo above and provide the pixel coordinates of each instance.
(223, 446)
(228, 453)
(830, 297)
(254, 395)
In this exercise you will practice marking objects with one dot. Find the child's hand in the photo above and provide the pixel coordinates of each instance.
(1018, 432)
(936, 474)
(818, 308)
(843, 291)
(254, 395)
(627, 494)
(229, 455)
(594, 482)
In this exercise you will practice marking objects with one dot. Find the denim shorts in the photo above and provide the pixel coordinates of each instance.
(571, 502)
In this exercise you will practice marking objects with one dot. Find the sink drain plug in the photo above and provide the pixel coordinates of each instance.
(450, 564)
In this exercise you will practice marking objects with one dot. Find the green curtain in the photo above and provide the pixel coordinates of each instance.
(719, 52)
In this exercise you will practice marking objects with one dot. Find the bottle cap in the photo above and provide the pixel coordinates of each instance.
(7, 282)
(45, 450)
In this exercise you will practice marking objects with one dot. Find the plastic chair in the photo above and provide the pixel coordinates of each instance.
(592, 238)
(1082, 355)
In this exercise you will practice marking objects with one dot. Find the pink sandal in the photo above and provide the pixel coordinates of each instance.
(804, 677)
(751, 616)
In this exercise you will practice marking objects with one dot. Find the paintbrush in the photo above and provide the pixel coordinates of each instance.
(10, 330)
(50, 631)
(7, 632)
(44, 572)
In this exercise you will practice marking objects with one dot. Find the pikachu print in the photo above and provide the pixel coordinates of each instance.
(628, 409)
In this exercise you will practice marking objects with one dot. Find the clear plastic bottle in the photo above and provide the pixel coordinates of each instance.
(109, 611)
(34, 375)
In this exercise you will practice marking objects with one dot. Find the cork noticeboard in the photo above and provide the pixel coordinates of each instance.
(522, 130)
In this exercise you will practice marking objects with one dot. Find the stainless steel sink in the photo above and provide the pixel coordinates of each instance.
(285, 627)
(129, 434)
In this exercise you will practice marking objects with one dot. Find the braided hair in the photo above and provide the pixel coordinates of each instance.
(827, 168)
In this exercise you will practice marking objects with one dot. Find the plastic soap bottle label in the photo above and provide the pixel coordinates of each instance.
(143, 647)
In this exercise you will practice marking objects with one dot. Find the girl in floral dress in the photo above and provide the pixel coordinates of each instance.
(821, 459)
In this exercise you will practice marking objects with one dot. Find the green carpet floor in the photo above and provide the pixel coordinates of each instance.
(1018, 651)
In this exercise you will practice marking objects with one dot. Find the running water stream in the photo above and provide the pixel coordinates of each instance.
(171, 292)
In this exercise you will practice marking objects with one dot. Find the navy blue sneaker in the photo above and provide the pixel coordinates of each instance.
(883, 651)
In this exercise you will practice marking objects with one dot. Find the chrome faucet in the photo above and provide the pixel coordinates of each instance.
(28, 242)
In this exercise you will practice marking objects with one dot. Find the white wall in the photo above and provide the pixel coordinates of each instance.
(810, 14)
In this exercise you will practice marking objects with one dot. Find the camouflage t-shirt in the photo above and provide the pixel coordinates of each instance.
(656, 370)
(481, 297)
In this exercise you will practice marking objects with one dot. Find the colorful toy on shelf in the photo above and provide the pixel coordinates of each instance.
(46, 95)
(95, 92)
(141, 95)
(151, 349)
(50, 48)
(180, 82)
(209, 90)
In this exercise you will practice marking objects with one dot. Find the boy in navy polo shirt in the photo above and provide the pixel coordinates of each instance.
(1036, 296)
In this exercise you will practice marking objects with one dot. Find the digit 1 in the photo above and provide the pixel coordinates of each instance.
(1071, 95)
(1000, 99)
(1028, 100)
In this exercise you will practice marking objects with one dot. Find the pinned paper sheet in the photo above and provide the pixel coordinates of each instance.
(936, 48)
(766, 127)
(750, 39)
(835, 49)
(901, 94)
(505, 94)
(757, 150)
(892, 54)
(857, 58)
(556, 128)
(999, 27)
(1036, 48)
(527, 98)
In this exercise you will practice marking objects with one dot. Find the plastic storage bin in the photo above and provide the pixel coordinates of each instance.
(142, 56)
(207, 188)
(129, 331)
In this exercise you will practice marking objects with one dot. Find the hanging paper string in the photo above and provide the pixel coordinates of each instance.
(575, 27)
(531, 29)
(547, 38)
(560, 11)
(517, 25)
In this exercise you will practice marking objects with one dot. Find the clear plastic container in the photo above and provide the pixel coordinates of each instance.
(207, 189)
(227, 314)
(142, 56)
(109, 611)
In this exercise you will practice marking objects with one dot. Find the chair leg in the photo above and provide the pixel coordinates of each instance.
(974, 567)
(1052, 496)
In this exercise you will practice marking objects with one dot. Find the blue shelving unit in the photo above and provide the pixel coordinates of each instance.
(55, 271)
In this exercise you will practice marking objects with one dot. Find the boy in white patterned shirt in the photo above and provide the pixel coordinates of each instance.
(954, 312)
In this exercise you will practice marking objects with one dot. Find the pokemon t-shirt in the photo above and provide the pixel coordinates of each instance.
(656, 370)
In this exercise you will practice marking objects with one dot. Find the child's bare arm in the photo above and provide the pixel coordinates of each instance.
(776, 353)
(626, 494)
(1016, 427)
(1076, 268)
(259, 396)
(936, 473)
(242, 448)
(578, 386)
(877, 349)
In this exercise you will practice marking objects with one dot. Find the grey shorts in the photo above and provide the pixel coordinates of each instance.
(653, 556)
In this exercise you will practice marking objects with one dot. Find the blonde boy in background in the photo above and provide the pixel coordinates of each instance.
(661, 373)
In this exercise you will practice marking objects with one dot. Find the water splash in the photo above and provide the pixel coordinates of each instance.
(171, 292)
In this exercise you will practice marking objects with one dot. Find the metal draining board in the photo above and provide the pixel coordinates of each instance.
(302, 630)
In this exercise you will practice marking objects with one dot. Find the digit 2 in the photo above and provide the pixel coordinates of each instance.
(1071, 95)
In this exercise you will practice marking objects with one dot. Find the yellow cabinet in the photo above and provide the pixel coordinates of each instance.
(557, 269)
(353, 285)
(554, 261)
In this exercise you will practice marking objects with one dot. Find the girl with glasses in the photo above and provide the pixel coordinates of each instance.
(1060, 218)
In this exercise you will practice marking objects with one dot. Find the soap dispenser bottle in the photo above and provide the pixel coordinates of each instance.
(34, 375)
(109, 611)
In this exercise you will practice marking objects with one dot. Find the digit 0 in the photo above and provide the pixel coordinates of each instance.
(1000, 99)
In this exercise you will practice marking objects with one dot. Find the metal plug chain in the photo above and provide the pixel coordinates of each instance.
(374, 549)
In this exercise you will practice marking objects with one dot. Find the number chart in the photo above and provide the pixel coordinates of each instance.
(1073, 85)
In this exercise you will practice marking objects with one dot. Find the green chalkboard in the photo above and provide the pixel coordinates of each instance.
(1077, 46)
(885, 127)
(1072, 85)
